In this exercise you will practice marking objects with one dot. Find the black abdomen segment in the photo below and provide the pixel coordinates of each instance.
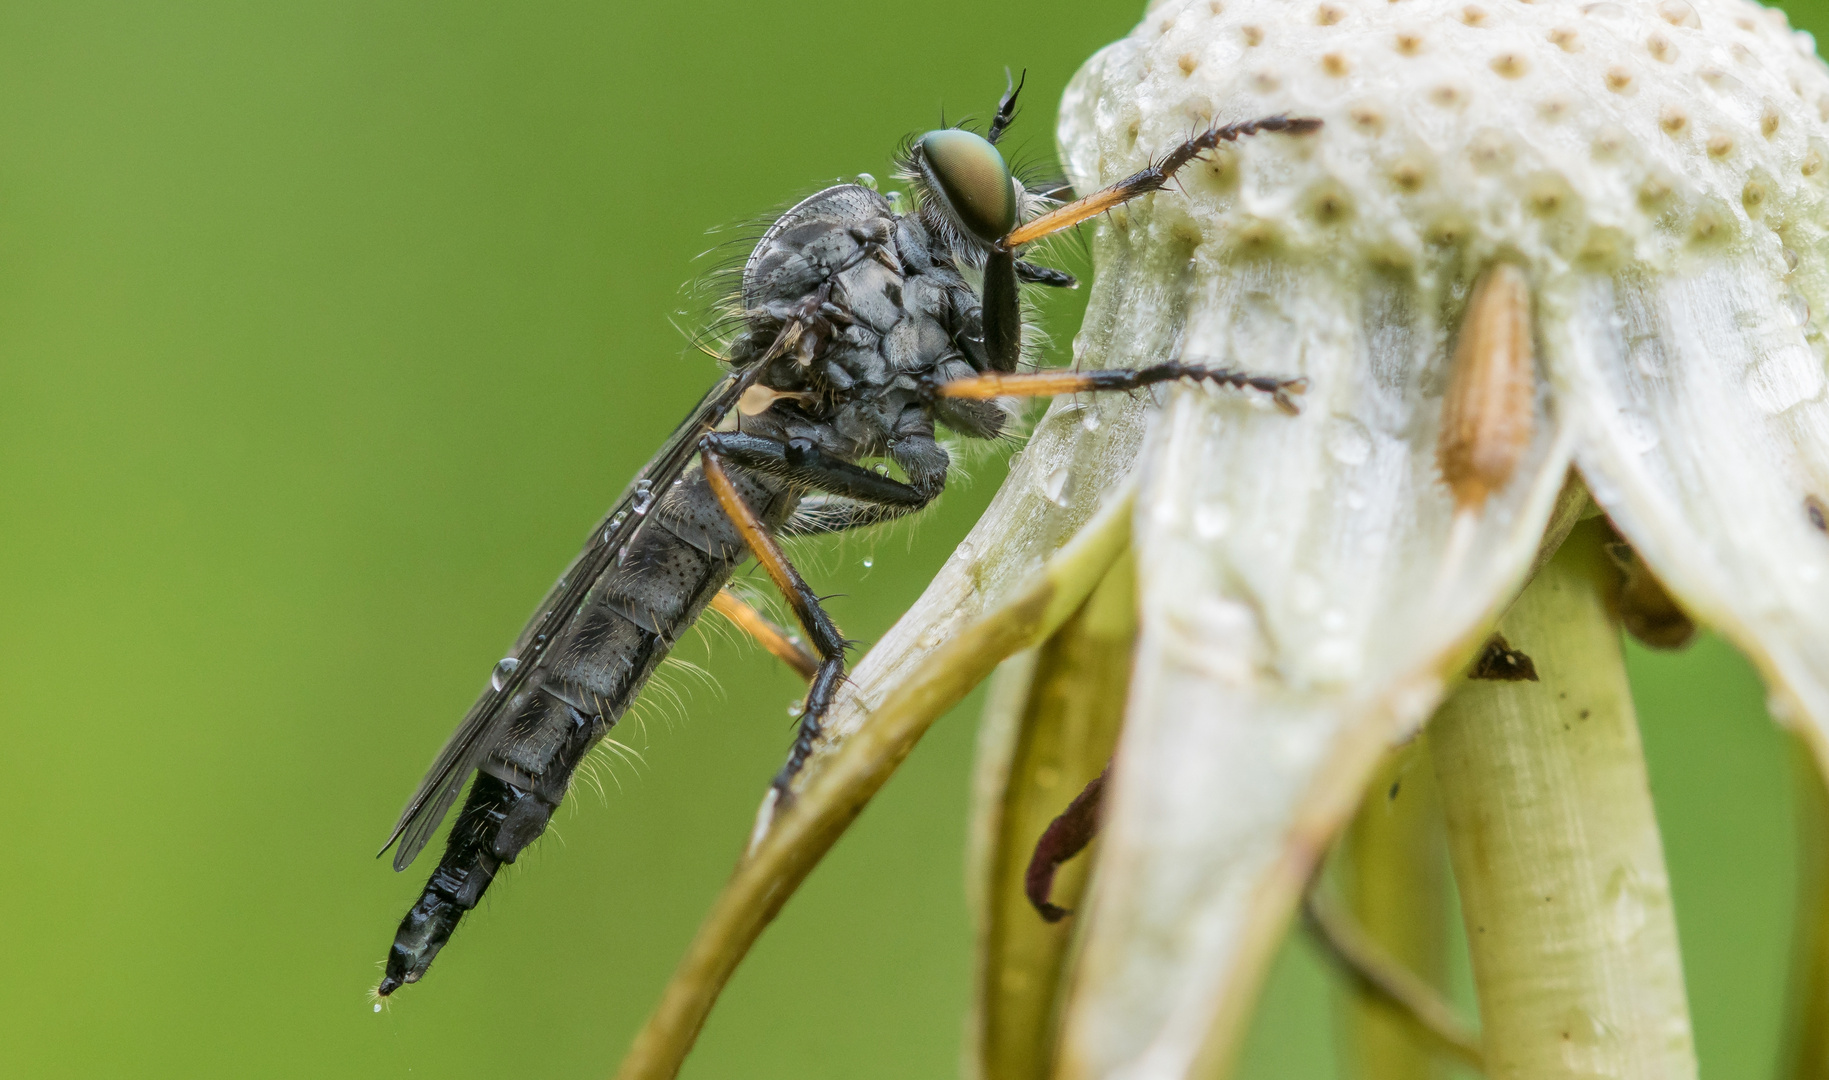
(625, 627)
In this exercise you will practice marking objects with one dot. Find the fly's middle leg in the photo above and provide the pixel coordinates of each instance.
(1050, 383)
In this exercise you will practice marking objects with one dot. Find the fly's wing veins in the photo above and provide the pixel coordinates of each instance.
(483, 725)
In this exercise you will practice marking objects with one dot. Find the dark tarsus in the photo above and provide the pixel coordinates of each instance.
(1066, 836)
(853, 311)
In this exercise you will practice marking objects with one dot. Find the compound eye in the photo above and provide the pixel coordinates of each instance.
(971, 176)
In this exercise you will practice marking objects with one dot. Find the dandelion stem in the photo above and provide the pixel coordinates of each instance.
(1555, 846)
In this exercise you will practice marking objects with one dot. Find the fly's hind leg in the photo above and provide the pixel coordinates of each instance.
(771, 637)
(865, 494)
(818, 515)
(814, 622)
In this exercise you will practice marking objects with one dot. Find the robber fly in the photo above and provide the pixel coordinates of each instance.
(860, 333)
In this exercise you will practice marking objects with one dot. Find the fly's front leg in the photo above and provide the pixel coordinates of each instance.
(817, 625)
(1003, 312)
(1150, 179)
(1050, 383)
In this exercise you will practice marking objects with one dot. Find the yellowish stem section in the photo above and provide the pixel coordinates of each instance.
(1394, 878)
(1062, 725)
(1807, 1037)
(1555, 847)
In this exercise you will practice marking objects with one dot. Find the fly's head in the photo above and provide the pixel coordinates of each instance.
(964, 190)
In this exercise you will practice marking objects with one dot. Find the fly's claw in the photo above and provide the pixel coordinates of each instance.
(1280, 390)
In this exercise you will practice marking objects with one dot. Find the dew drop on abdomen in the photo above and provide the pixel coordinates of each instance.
(503, 669)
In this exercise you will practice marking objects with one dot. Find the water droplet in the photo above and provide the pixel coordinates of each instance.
(897, 204)
(1626, 897)
(1306, 594)
(1639, 433)
(1790, 260)
(1799, 309)
(643, 499)
(796, 709)
(377, 1006)
(503, 668)
(965, 553)
(1211, 520)
(867, 180)
(1090, 419)
(1056, 487)
(1348, 443)
(882, 469)
(869, 562)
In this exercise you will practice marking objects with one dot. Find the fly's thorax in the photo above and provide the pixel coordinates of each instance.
(883, 309)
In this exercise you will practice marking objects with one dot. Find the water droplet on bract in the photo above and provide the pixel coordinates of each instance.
(869, 562)
(1090, 419)
(1348, 443)
(1056, 487)
(1640, 434)
(503, 668)
(965, 552)
(1626, 896)
(1799, 309)
(1211, 521)
(1790, 260)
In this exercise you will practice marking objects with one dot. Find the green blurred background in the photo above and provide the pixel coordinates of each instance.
(326, 330)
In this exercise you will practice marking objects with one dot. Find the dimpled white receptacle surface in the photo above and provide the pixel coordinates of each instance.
(1589, 134)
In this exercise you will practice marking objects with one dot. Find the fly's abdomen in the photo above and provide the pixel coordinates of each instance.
(586, 680)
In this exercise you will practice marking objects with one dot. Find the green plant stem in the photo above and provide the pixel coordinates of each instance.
(1806, 1050)
(1555, 846)
(1043, 740)
(1393, 871)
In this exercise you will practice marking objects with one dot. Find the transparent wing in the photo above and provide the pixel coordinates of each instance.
(483, 725)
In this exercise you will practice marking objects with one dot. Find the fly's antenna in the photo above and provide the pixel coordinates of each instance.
(1006, 108)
